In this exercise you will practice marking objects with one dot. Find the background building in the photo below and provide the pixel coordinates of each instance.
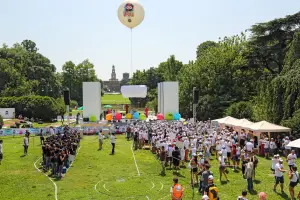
(113, 84)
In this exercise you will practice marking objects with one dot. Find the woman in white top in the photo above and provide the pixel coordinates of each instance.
(294, 176)
(222, 166)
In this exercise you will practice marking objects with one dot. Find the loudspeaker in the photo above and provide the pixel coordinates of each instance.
(67, 97)
(195, 96)
(86, 119)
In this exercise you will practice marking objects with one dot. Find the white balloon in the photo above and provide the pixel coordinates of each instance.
(131, 13)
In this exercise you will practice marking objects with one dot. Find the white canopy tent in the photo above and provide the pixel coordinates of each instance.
(224, 121)
(265, 126)
(295, 143)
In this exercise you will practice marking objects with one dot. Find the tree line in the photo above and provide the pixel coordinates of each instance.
(27, 77)
(253, 75)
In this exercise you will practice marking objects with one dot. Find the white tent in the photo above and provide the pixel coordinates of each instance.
(265, 126)
(295, 143)
(224, 121)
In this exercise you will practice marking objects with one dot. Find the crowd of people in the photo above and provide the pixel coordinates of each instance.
(176, 143)
(59, 151)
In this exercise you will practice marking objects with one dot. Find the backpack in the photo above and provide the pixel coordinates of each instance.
(213, 193)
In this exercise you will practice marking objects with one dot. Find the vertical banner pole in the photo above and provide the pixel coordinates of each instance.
(68, 114)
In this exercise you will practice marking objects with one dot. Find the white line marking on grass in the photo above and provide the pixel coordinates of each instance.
(153, 185)
(162, 186)
(74, 158)
(55, 186)
(147, 197)
(105, 187)
(138, 171)
(96, 185)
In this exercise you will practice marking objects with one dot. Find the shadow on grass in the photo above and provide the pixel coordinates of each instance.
(283, 195)
(253, 192)
(224, 182)
(178, 174)
(22, 156)
(256, 181)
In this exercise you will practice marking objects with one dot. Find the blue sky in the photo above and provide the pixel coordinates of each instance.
(78, 29)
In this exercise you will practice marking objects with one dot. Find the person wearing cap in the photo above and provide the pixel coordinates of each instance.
(177, 191)
(262, 196)
(279, 175)
(244, 196)
(211, 190)
(249, 146)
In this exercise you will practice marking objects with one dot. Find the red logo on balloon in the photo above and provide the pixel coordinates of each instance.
(129, 10)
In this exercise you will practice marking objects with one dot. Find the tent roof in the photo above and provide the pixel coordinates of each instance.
(295, 143)
(225, 120)
(242, 122)
(265, 126)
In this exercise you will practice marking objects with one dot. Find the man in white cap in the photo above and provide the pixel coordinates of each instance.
(205, 197)
(211, 190)
(279, 175)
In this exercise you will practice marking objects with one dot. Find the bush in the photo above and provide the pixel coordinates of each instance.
(293, 122)
(39, 107)
(240, 110)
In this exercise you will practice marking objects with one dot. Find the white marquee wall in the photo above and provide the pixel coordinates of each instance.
(168, 97)
(92, 99)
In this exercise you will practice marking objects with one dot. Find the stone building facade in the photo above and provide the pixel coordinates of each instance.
(113, 84)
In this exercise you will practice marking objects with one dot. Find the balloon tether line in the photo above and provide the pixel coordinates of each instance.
(131, 65)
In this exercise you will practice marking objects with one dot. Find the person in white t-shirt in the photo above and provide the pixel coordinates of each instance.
(272, 147)
(286, 148)
(26, 144)
(249, 146)
(279, 175)
(291, 158)
(266, 147)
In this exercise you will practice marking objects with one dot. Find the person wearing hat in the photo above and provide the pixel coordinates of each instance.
(279, 175)
(211, 190)
(262, 196)
(177, 191)
(244, 196)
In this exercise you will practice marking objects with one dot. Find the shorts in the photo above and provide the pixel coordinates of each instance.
(1, 156)
(194, 170)
(266, 150)
(221, 167)
(234, 158)
(279, 179)
(293, 184)
(228, 154)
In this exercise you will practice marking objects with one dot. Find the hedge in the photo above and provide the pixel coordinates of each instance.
(40, 107)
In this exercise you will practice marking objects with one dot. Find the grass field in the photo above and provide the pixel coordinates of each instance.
(113, 99)
(98, 175)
